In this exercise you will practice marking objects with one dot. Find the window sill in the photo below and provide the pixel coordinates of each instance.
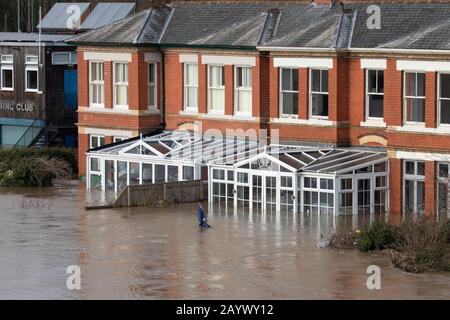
(369, 123)
(228, 117)
(7, 89)
(188, 113)
(312, 121)
(152, 110)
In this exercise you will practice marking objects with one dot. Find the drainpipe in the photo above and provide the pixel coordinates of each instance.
(163, 88)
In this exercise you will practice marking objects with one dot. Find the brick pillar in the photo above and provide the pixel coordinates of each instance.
(83, 146)
(395, 182)
(229, 90)
(108, 140)
(83, 80)
(430, 100)
(108, 87)
(256, 88)
(393, 111)
(430, 188)
(202, 88)
(303, 95)
(134, 82)
(333, 91)
(274, 91)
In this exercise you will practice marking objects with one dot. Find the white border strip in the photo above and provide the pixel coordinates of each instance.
(107, 56)
(229, 60)
(373, 64)
(416, 65)
(325, 63)
(107, 132)
(188, 58)
(424, 156)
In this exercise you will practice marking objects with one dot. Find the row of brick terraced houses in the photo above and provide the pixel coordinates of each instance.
(315, 72)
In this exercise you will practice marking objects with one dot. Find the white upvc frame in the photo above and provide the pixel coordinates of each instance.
(119, 139)
(99, 83)
(412, 177)
(188, 86)
(319, 190)
(216, 88)
(440, 99)
(405, 98)
(368, 94)
(446, 181)
(321, 92)
(249, 89)
(117, 83)
(31, 65)
(152, 85)
(292, 70)
(72, 58)
(7, 64)
(98, 138)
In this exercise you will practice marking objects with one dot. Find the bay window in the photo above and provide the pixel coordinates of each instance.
(289, 92)
(374, 94)
(216, 89)
(443, 188)
(152, 86)
(191, 87)
(120, 85)
(414, 186)
(319, 93)
(96, 84)
(243, 90)
(31, 73)
(7, 72)
(444, 99)
(414, 97)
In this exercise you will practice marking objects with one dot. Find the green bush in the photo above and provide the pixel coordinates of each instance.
(34, 167)
(378, 236)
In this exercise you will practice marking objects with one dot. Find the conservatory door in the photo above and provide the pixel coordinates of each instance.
(271, 194)
(364, 196)
(257, 194)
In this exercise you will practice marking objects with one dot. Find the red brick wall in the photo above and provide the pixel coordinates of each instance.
(108, 80)
(83, 80)
(303, 97)
(274, 104)
(83, 146)
(430, 100)
(393, 111)
(395, 185)
(430, 188)
(229, 90)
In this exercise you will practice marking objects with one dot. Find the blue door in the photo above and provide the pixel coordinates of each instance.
(70, 89)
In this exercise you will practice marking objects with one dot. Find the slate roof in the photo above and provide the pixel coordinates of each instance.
(32, 37)
(59, 14)
(284, 24)
(404, 26)
(105, 13)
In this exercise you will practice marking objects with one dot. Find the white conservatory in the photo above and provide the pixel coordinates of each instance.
(240, 174)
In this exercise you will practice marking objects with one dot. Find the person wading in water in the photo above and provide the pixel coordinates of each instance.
(202, 218)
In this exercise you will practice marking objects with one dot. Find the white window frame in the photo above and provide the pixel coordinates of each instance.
(152, 85)
(119, 139)
(100, 83)
(216, 88)
(439, 100)
(311, 93)
(98, 138)
(72, 58)
(237, 90)
(405, 98)
(188, 86)
(117, 84)
(7, 63)
(412, 177)
(31, 66)
(368, 94)
(282, 114)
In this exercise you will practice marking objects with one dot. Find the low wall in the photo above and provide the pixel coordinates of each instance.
(156, 195)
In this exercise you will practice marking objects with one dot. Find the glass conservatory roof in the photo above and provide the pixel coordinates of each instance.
(190, 147)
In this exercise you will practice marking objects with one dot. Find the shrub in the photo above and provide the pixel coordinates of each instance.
(36, 167)
(379, 235)
(421, 245)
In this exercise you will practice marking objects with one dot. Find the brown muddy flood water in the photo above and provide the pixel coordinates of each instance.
(144, 253)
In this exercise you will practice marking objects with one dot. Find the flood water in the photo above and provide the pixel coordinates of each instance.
(143, 253)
